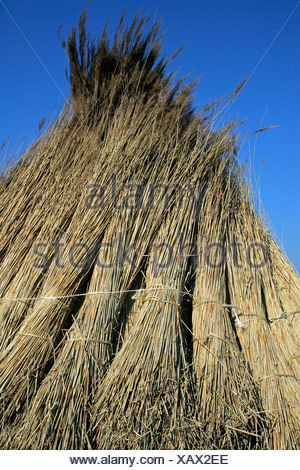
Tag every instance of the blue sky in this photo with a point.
(224, 42)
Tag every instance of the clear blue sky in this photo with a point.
(224, 40)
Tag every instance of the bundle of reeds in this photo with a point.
(134, 311)
(45, 215)
(96, 333)
(87, 226)
(267, 340)
(148, 374)
(228, 403)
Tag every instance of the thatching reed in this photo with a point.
(134, 311)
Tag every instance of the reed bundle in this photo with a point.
(87, 363)
(269, 343)
(149, 371)
(227, 399)
(162, 313)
